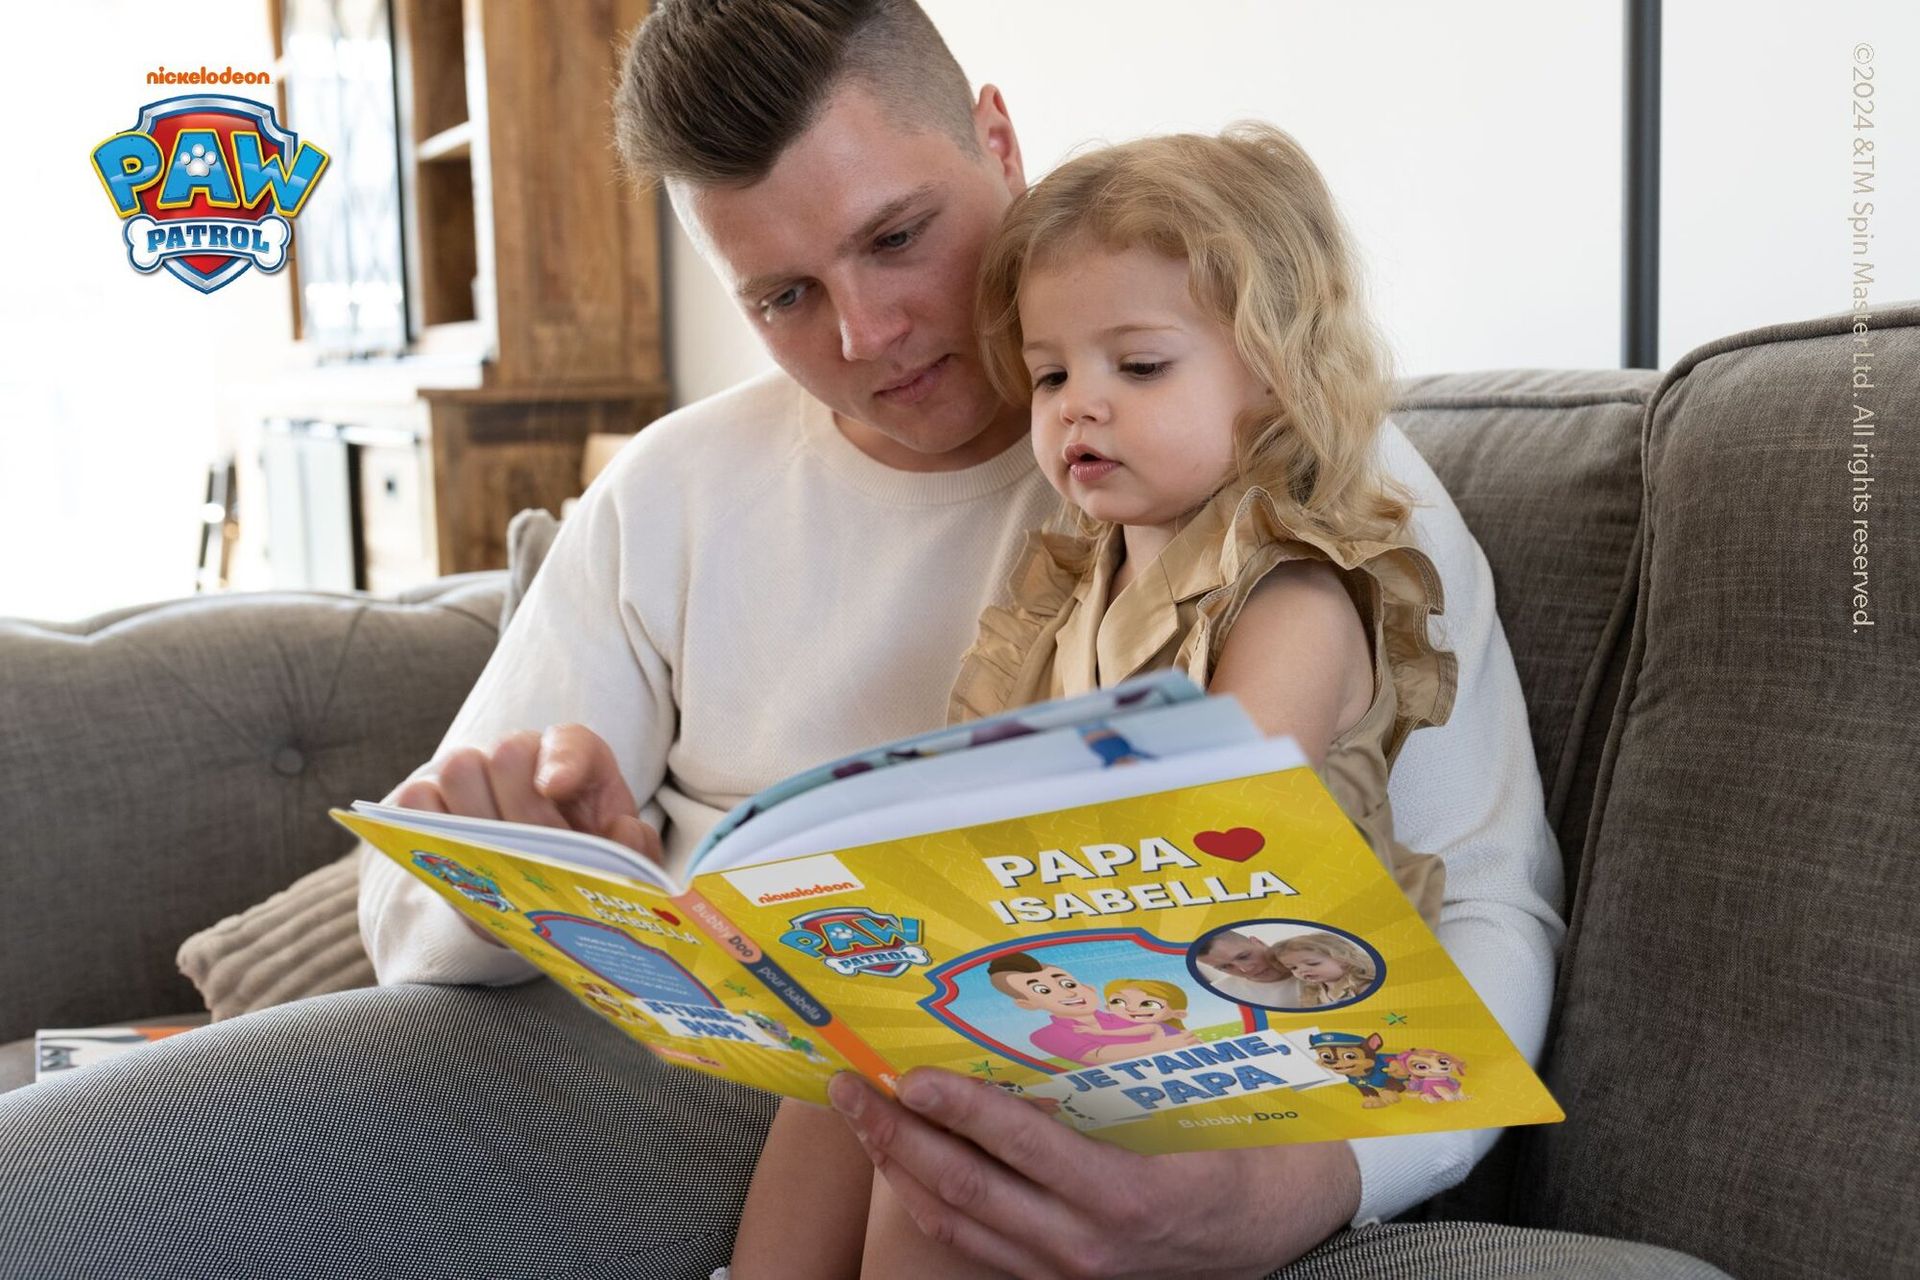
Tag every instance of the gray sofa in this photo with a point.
(1730, 764)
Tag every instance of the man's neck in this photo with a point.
(997, 437)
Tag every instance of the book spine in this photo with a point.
(767, 971)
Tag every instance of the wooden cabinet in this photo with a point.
(532, 274)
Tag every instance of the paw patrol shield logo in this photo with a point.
(856, 940)
(468, 883)
(206, 187)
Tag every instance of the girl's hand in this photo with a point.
(1039, 1201)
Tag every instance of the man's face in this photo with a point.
(855, 260)
(1053, 991)
(1244, 957)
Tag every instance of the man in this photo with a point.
(1077, 1029)
(762, 580)
(1249, 972)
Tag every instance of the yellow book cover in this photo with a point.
(1160, 929)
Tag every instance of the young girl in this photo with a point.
(1151, 1003)
(1183, 315)
(1329, 968)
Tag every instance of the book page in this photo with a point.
(648, 961)
(1222, 964)
(1135, 737)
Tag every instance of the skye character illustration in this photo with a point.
(1432, 1075)
(1361, 1062)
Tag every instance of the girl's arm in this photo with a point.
(1297, 657)
(806, 1211)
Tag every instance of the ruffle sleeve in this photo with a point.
(1394, 580)
(1010, 655)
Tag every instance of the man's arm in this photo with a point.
(1469, 791)
(575, 653)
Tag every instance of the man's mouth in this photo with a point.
(915, 386)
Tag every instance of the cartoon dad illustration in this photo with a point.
(1080, 1030)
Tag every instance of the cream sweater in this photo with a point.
(742, 593)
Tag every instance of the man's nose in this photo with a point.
(870, 323)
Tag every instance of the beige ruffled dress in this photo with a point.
(1055, 638)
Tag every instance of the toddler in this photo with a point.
(1329, 968)
(1183, 316)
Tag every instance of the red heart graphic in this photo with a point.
(668, 916)
(1236, 845)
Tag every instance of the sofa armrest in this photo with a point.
(164, 766)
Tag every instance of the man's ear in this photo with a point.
(994, 129)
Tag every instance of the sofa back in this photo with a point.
(1737, 1006)
(162, 767)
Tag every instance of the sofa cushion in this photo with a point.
(1737, 1014)
(1544, 466)
(303, 941)
(164, 767)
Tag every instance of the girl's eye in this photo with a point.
(1144, 369)
(1152, 1004)
(1050, 381)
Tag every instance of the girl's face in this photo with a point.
(1137, 1006)
(1135, 389)
(1314, 966)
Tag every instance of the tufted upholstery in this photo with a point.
(164, 766)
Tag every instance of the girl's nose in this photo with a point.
(1083, 405)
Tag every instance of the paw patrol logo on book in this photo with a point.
(207, 186)
(856, 940)
(468, 883)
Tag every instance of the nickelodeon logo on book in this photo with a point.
(207, 75)
(778, 882)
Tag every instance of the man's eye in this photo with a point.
(785, 300)
(1068, 984)
(894, 241)
(1144, 369)
(1040, 989)
(1050, 381)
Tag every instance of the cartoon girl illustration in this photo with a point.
(1330, 969)
(1149, 1003)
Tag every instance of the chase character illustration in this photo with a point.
(1146, 1002)
(1430, 1074)
(1360, 1061)
(1079, 1030)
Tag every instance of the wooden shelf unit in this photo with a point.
(527, 259)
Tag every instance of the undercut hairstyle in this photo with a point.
(1270, 258)
(1012, 963)
(711, 92)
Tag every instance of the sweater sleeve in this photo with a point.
(1469, 791)
(576, 651)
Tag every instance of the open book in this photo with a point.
(1129, 908)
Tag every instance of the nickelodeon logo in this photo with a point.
(814, 877)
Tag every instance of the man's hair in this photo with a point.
(1013, 962)
(712, 91)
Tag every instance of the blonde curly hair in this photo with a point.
(1269, 256)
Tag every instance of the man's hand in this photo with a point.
(565, 777)
(980, 1172)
